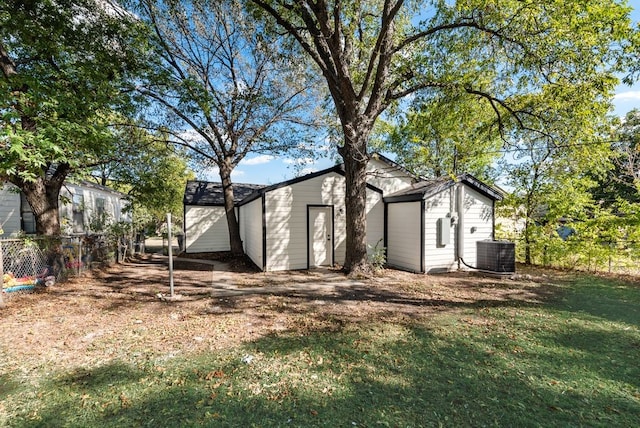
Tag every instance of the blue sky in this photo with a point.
(628, 97)
(264, 169)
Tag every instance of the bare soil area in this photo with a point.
(125, 312)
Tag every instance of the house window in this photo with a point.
(27, 216)
(100, 202)
(78, 213)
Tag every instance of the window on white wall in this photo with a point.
(78, 213)
(100, 204)
(27, 216)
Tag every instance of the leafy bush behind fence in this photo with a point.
(592, 255)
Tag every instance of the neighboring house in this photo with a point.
(426, 226)
(80, 204)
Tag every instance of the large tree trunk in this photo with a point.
(235, 241)
(43, 196)
(354, 154)
(43, 199)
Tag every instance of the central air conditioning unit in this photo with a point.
(496, 256)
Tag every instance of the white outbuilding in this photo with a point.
(425, 225)
(205, 222)
(435, 225)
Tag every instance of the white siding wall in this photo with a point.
(375, 220)
(286, 220)
(438, 257)
(9, 210)
(206, 229)
(251, 230)
(403, 235)
(114, 204)
(478, 214)
(387, 178)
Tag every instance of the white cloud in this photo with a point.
(209, 174)
(190, 136)
(305, 171)
(628, 96)
(213, 174)
(299, 161)
(258, 160)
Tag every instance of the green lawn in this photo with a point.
(571, 361)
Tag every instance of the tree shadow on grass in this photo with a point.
(96, 378)
(141, 281)
(606, 299)
(417, 377)
(355, 355)
(135, 282)
(8, 385)
(364, 303)
(603, 351)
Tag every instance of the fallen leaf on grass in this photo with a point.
(214, 374)
(84, 399)
(124, 401)
(176, 382)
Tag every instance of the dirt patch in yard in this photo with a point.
(124, 311)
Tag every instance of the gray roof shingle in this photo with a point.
(428, 188)
(205, 193)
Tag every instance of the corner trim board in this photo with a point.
(385, 230)
(422, 234)
(184, 226)
(264, 233)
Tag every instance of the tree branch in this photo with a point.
(462, 23)
(295, 32)
(384, 53)
(387, 21)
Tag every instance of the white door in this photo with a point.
(320, 236)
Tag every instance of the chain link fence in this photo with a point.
(30, 262)
(24, 264)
